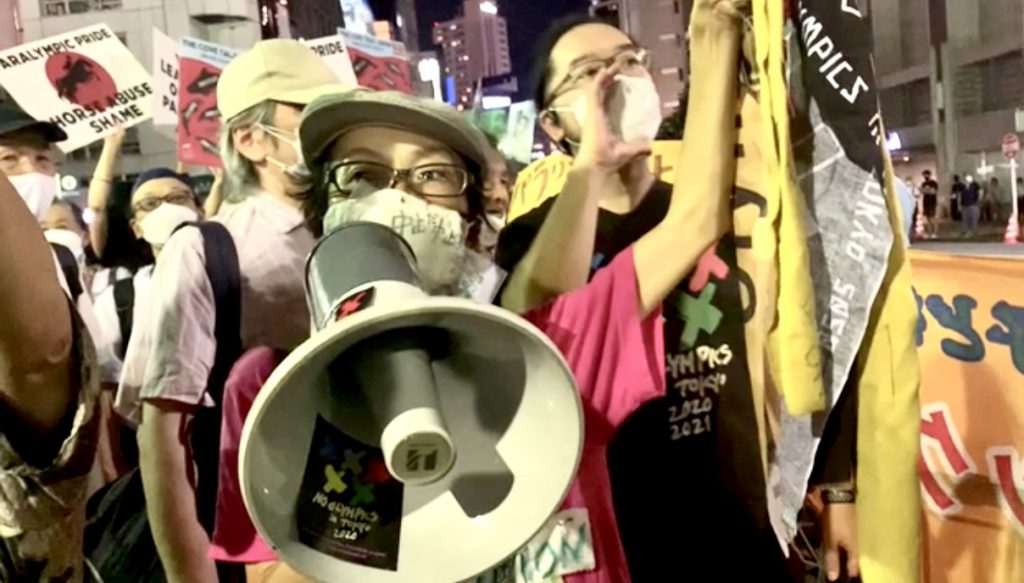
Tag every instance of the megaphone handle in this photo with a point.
(394, 372)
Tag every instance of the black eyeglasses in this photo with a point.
(427, 180)
(150, 204)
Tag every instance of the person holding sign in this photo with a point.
(48, 382)
(693, 456)
(169, 373)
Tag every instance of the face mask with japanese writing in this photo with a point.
(437, 235)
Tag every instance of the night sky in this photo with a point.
(527, 20)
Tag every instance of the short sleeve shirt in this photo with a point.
(691, 453)
(172, 348)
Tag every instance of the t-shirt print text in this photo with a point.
(696, 371)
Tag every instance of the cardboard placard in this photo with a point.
(165, 79)
(378, 64)
(199, 121)
(85, 81)
(333, 51)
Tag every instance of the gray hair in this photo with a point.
(240, 176)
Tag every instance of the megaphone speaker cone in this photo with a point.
(416, 441)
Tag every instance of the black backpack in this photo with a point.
(124, 303)
(69, 265)
(118, 543)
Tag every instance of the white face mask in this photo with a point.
(37, 190)
(634, 109)
(437, 235)
(159, 224)
(489, 231)
(298, 172)
(68, 239)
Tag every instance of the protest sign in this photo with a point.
(332, 50)
(970, 337)
(198, 117)
(378, 64)
(165, 79)
(85, 81)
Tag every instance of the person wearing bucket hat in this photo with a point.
(398, 160)
(170, 358)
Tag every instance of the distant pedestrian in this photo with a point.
(970, 199)
(955, 193)
(992, 202)
(930, 204)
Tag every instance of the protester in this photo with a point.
(169, 373)
(365, 140)
(100, 186)
(29, 160)
(373, 140)
(930, 199)
(161, 201)
(64, 224)
(48, 384)
(556, 247)
(970, 199)
(496, 196)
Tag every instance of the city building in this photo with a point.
(408, 29)
(425, 69)
(358, 16)
(475, 46)
(313, 18)
(660, 27)
(228, 22)
(951, 78)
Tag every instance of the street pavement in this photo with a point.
(977, 249)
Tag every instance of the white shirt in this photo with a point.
(172, 348)
(110, 324)
(106, 277)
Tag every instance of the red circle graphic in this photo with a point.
(81, 81)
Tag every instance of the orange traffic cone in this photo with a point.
(1012, 232)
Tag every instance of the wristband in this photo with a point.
(838, 496)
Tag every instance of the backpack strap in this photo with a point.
(69, 265)
(124, 303)
(225, 278)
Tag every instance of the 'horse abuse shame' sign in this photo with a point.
(85, 81)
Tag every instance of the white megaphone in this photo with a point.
(411, 439)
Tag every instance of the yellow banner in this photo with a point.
(545, 177)
(971, 343)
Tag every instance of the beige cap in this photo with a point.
(274, 70)
(333, 114)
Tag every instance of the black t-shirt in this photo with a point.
(930, 188)
(686, 476)
(971, 195)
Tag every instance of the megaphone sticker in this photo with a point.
(349, 506)
(355, 302)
